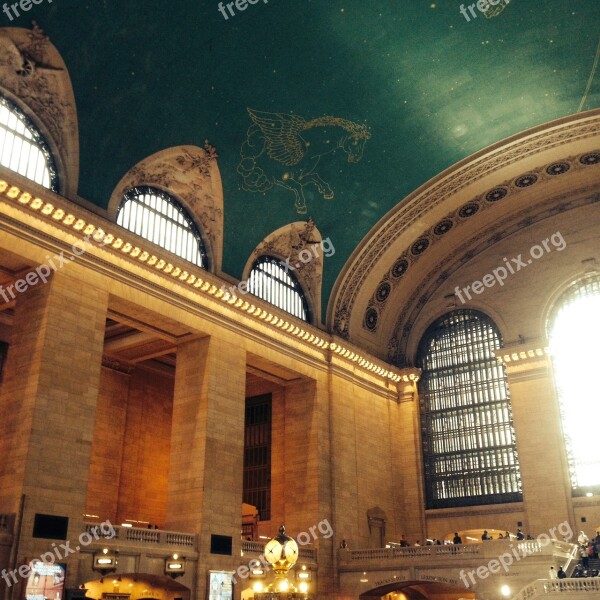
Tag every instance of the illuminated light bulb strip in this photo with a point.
(523, 355)
(59, 215)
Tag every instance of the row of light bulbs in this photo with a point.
(107, 239)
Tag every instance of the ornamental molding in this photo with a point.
(409, 213)
(524, 362)
(34, 76)
(299, 246)
(398, 351)
(460, 217)
(493, 509)
(122, 253)
(191, 175)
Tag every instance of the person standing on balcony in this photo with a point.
(552, 573)
(457, 539)
(561, 574)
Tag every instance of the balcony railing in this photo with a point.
(542, 587)
(484, 550)
(156, 537)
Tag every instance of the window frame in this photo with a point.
(131, 195)
(476, 421)
(38, 140)
(294, 288)
(564, 298)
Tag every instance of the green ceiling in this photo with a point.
(431, 87)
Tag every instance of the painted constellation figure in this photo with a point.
(493, 10)
(285, 150)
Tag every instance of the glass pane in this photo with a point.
(469, 448)
(22, 147)
(157, 217)
(574, 329)
(270, 281)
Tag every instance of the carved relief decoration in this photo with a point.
(34, 77)
(298, 245)
(413, 210)
(472, 208)
(191, 175)
(398, 343)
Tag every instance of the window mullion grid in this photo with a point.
(475, 447)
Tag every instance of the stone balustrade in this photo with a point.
(157, 537)
(584, 588)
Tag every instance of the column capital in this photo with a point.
(407, 384)
(527, 360)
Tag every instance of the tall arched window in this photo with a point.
(23, 148)
(469, 450)
(159, 218)
(574, 331)
(271, 280)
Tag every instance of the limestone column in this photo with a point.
(542, 456)
(48, 406)
(207, 450)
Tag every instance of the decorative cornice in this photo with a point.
(59, 213)
(525, 362)
(511, 355)
(458, 218)
(407, 214)
(407, 388)
(444, 513)
(464, 252)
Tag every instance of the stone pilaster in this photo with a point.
(48, 406)
(207, 450)
(540, 443)
(408, 458)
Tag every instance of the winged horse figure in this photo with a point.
(285, 150)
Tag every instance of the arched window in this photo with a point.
(469, 450)
(271, 280)
(159, 218)
(23, 148)
(574, 331)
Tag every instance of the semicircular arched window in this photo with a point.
(574, 330)
(271, 280)
(159, 218)
(23, 149)
(469, 449)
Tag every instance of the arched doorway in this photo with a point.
(418, 590)
(135, 586)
